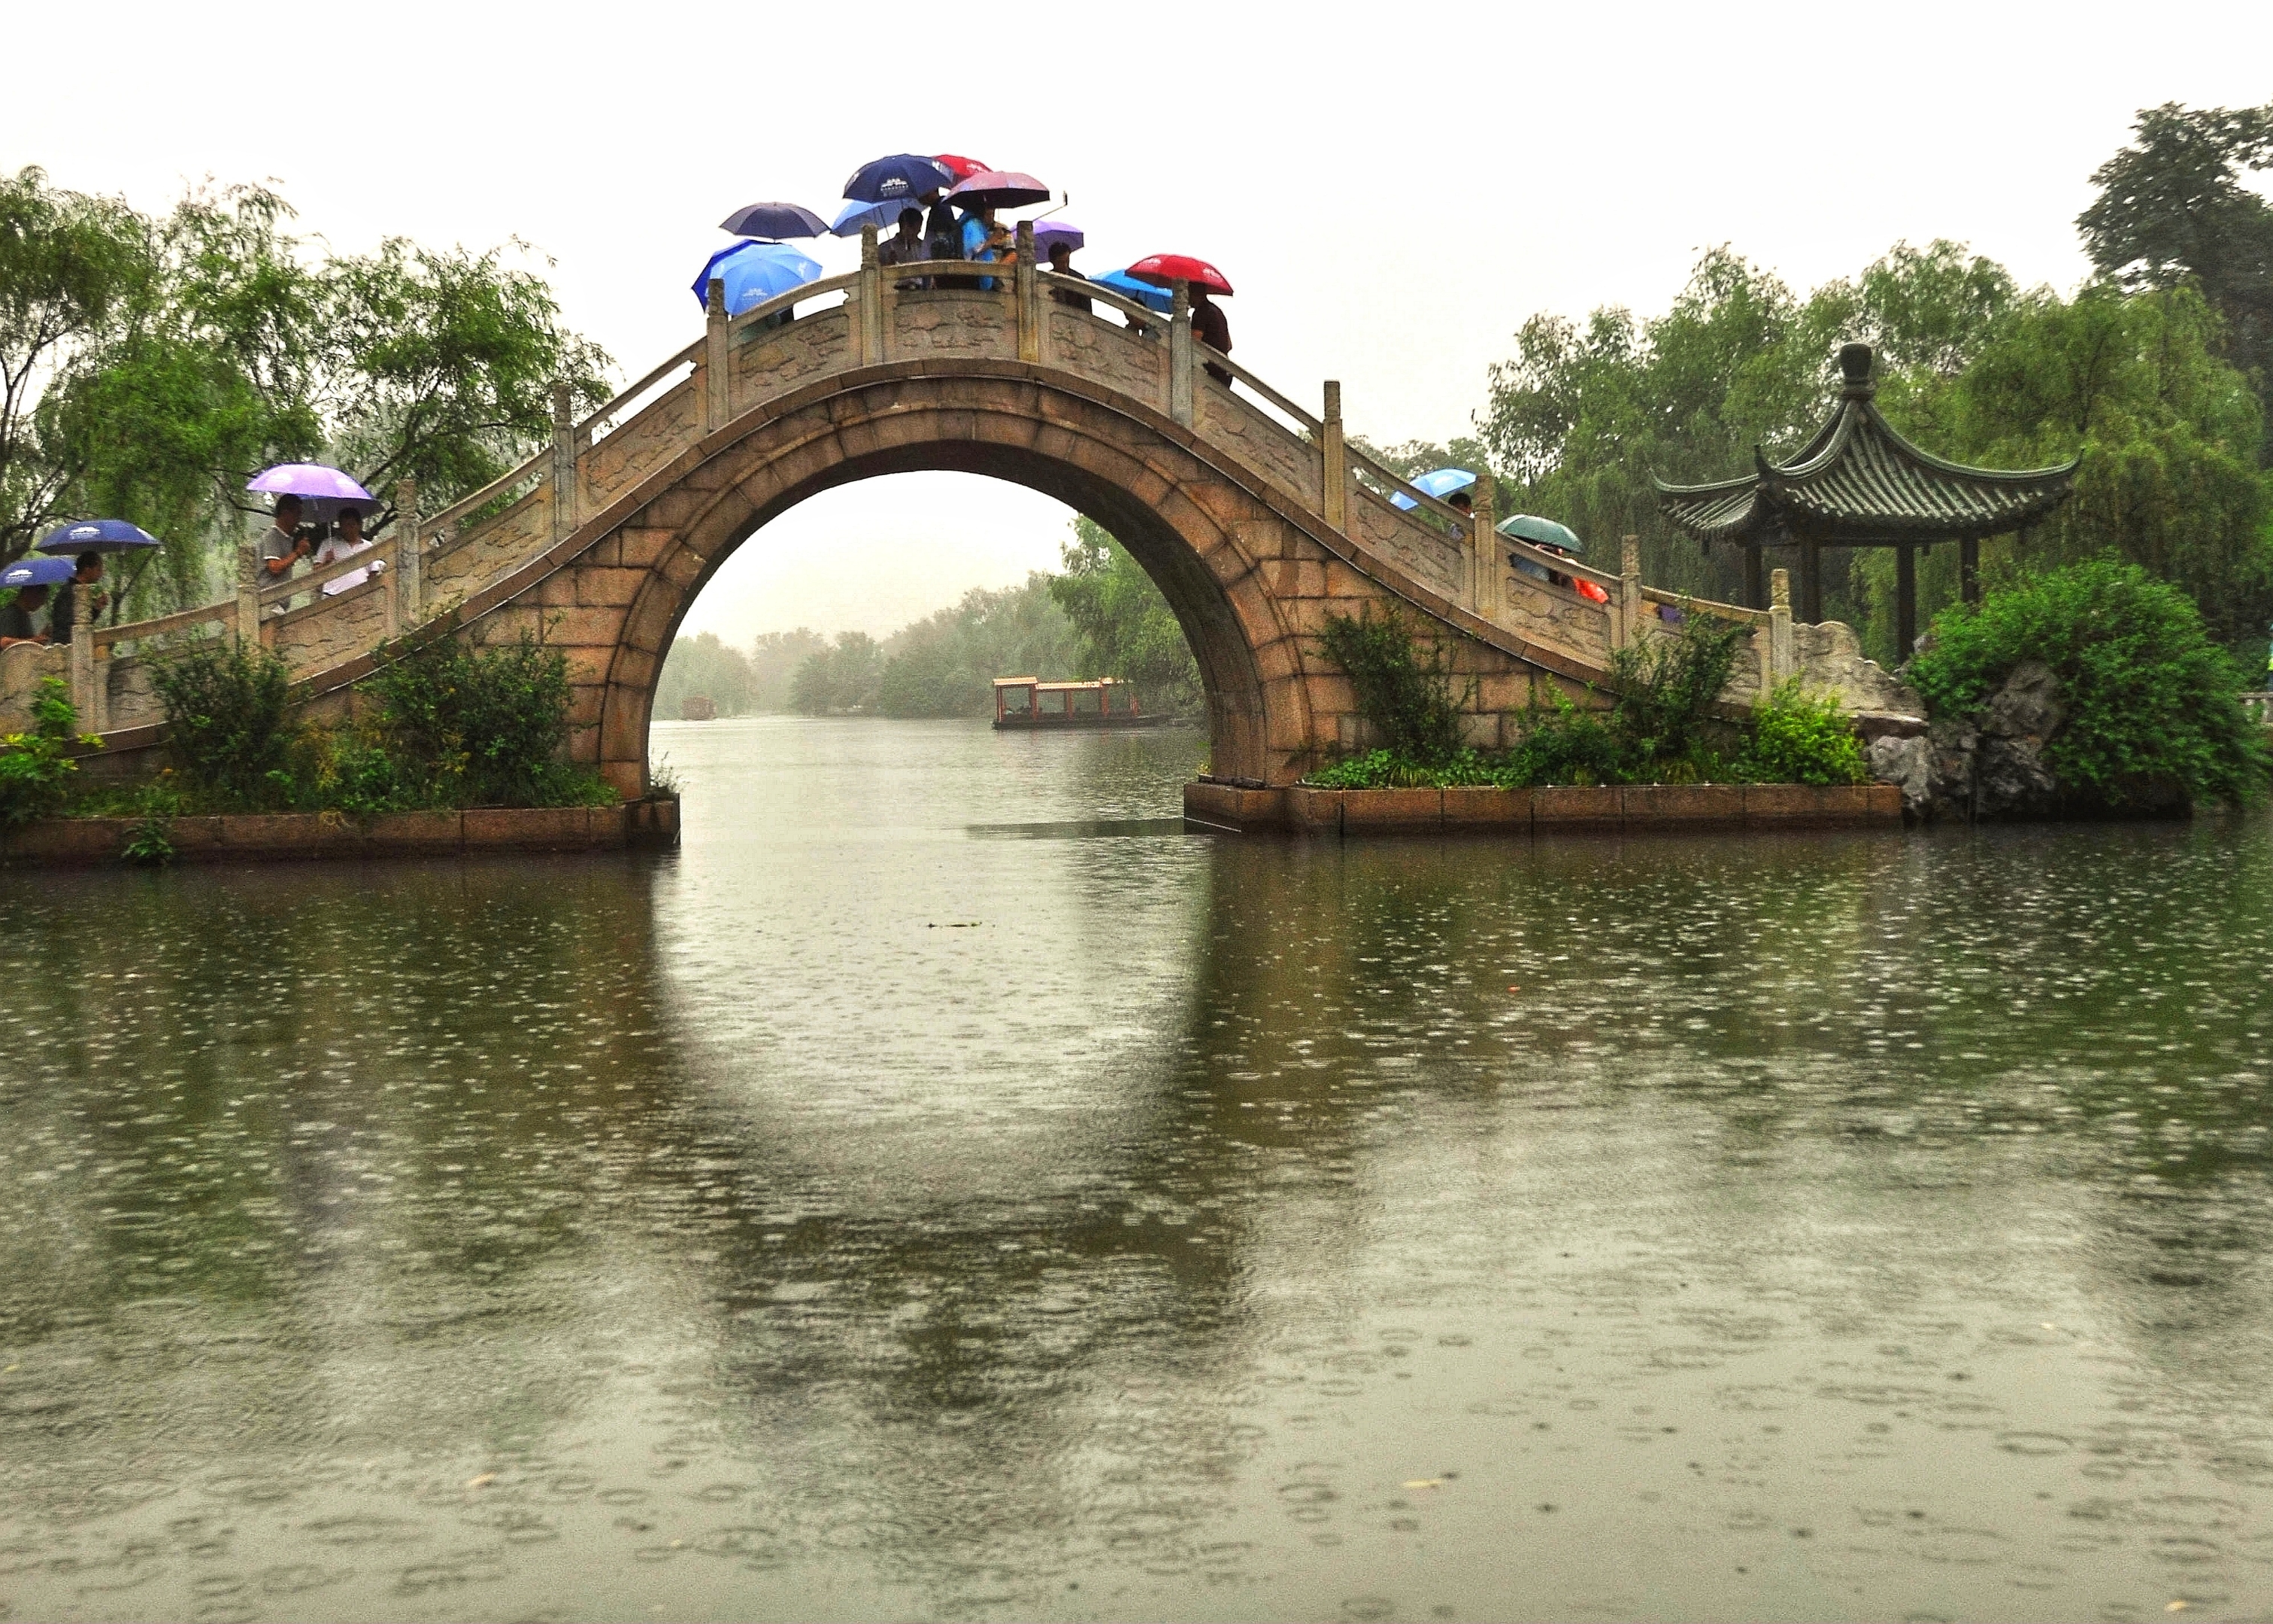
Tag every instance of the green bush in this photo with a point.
(2150, 700)
(1799, 738)
(36, 767)
(459, 727)
(1666, 691)
(226, 708)
(1408, 699)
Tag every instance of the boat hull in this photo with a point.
(1076, 724)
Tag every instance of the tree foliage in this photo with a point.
(2172, 210)
(150, 365)
(945, 664)
(844, 678)
(1122, 626)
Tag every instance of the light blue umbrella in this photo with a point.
(1438, 483)
(754, 272)
(1128, 287)
(884, 216)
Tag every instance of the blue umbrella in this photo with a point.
(37, 572)
(98, 535)
(884, 216)
(1438, 483)
(902, 177)
(754, 272)
(774, 220)
(1128, 287)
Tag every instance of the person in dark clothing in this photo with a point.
(63, 611)
(16, 618)
(907, 248)
(944, 239)
(1061, 262)
(1209, 327)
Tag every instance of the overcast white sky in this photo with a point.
(1392, 189)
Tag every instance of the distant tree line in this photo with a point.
(2159, 370)
(1101, 615)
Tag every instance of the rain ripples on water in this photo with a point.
(947, 1189)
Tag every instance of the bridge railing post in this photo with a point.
(408, 574)
(1779, 662)
(1180, 356)
(1028, 281)
(715, 375)
(868, 316)
(1627, 622)
(86, 688)
(1333, 461)
(248, 596)
(1484, 543)
(564, 462)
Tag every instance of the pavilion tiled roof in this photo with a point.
(1858, 483)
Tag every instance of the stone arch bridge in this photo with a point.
(1252, 513)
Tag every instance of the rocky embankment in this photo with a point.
(1993, 770)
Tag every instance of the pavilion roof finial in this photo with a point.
(1854, 367)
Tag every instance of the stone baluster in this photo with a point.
(408, 560)
(715, 375)
(1781, 663)
(564, 463)
(1484, 541)
(869, 301)
(1631, 605)
(1180, 356)
(86, 692)
(1334, 462)
(248, 577)
(1028, 281)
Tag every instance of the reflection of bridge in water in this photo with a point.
(1254, 516)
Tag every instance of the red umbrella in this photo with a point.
(1167, 270)
(964, 168)
(1005, 189)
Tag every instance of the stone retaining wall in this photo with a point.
(1626, 808)
(258, 837)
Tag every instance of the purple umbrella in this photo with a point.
(1049, 231)
(309, 479)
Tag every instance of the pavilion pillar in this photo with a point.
(1969, 569)
(1756, 592)
(1811, 580)
(1905, 600)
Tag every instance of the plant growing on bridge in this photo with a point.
(461, 727)
(1406, 696)
(2149, 698)
(1667, 688)
(1801, 738)
(36, 766)
(225, 706)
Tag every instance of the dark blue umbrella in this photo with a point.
(754, 272)
(1128, 287)
(98, 535)
(774, 220)
(37, 572)
(902, 176)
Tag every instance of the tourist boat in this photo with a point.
(1029, 702)
(698, 708)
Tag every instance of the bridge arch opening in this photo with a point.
(1193, 534)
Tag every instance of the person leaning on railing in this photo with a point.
(906, 248)
(349, 541)
(16, 618)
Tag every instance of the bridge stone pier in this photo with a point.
(1253, 515)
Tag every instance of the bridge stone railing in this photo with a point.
(867, 318)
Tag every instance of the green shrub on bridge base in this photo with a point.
(449, 726)
(36, 766)
(1660, 728)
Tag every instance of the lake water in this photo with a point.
(949, 1188)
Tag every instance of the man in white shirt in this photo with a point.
(348, 539)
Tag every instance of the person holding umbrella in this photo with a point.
(285, 541)
(1203, 280)
(906, 248)
(16, 618)
(62, 609)
(349, 540)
